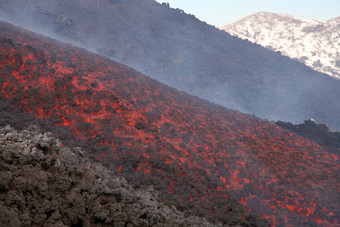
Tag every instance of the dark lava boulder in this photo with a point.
(43, 183)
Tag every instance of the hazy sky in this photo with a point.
(218, 12)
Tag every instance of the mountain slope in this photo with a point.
(179, 50)
(203, 158)
(314, 43)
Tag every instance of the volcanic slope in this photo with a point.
(183, 52)
(203, 158)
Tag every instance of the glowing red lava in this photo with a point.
(204, 154)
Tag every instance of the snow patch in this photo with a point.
(313, 42)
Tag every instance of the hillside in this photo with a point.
(203, 158)
(185, 53)
(314, 43)
(45, 184)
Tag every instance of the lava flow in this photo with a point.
(204, 158)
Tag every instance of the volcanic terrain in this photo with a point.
(203, 158)
(183, 52)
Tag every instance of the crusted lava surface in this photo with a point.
(45, 184)
(203, 158)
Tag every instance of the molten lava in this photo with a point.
(196, 153)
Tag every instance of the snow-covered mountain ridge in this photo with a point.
(313, 42)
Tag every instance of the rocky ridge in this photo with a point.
(320, 133)
(43, 183)
(313, 42)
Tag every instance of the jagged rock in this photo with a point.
(320, 133)
(45, 184)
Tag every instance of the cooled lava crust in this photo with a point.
(202, 157)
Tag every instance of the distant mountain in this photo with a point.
(185, 53)
(45, 184)
(204, 159)
(312, 42)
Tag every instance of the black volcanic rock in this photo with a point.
(45, 184)
(320, 133)
(178, 49)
